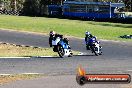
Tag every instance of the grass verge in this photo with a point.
(11, 78)
(7, 50)
(103, 30)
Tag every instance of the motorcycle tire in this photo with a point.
(61, 51)
(93, 50)
(100, 53)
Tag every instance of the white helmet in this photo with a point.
(87, 33)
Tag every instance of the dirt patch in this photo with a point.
(11, 78)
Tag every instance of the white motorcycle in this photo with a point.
(61, 47)
(97, 48)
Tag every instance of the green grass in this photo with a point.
(103, 30)
(7, 50)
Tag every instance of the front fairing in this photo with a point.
(63, 44)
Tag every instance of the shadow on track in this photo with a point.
(60, 57)
(84, 55)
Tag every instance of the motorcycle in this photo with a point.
(61, 47)
(94, 46)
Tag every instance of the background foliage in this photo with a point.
(36, 7)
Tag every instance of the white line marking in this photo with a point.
(42, 56)
(80, 53)
(21, 74)
(14, 57)
(28, 57)
(30, 73)
(4, 74)
(129, 70)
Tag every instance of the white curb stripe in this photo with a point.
(27, 57)
(30, 73)
(80, 53)
(4, 74)
(21, 74)
(14, 57)
(42, 56)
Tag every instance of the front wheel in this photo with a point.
(61, 51)
(94, 50)
(100, 48)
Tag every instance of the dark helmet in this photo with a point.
(52, 33)
(87, 33)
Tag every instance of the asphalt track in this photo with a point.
(116, 58)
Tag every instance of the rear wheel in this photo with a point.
(100, 53)
(96, 51)
(61, 51)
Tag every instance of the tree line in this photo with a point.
(26, 7)
(37, 7)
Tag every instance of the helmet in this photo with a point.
(52, 33)
(87, 33)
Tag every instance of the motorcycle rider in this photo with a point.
(88, 37)
(92, 40)
(53, 35)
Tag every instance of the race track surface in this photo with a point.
(116, 58)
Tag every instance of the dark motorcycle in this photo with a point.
(94, 46)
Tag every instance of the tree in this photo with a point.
(128, 5)
(31, 7)
(12, 6)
